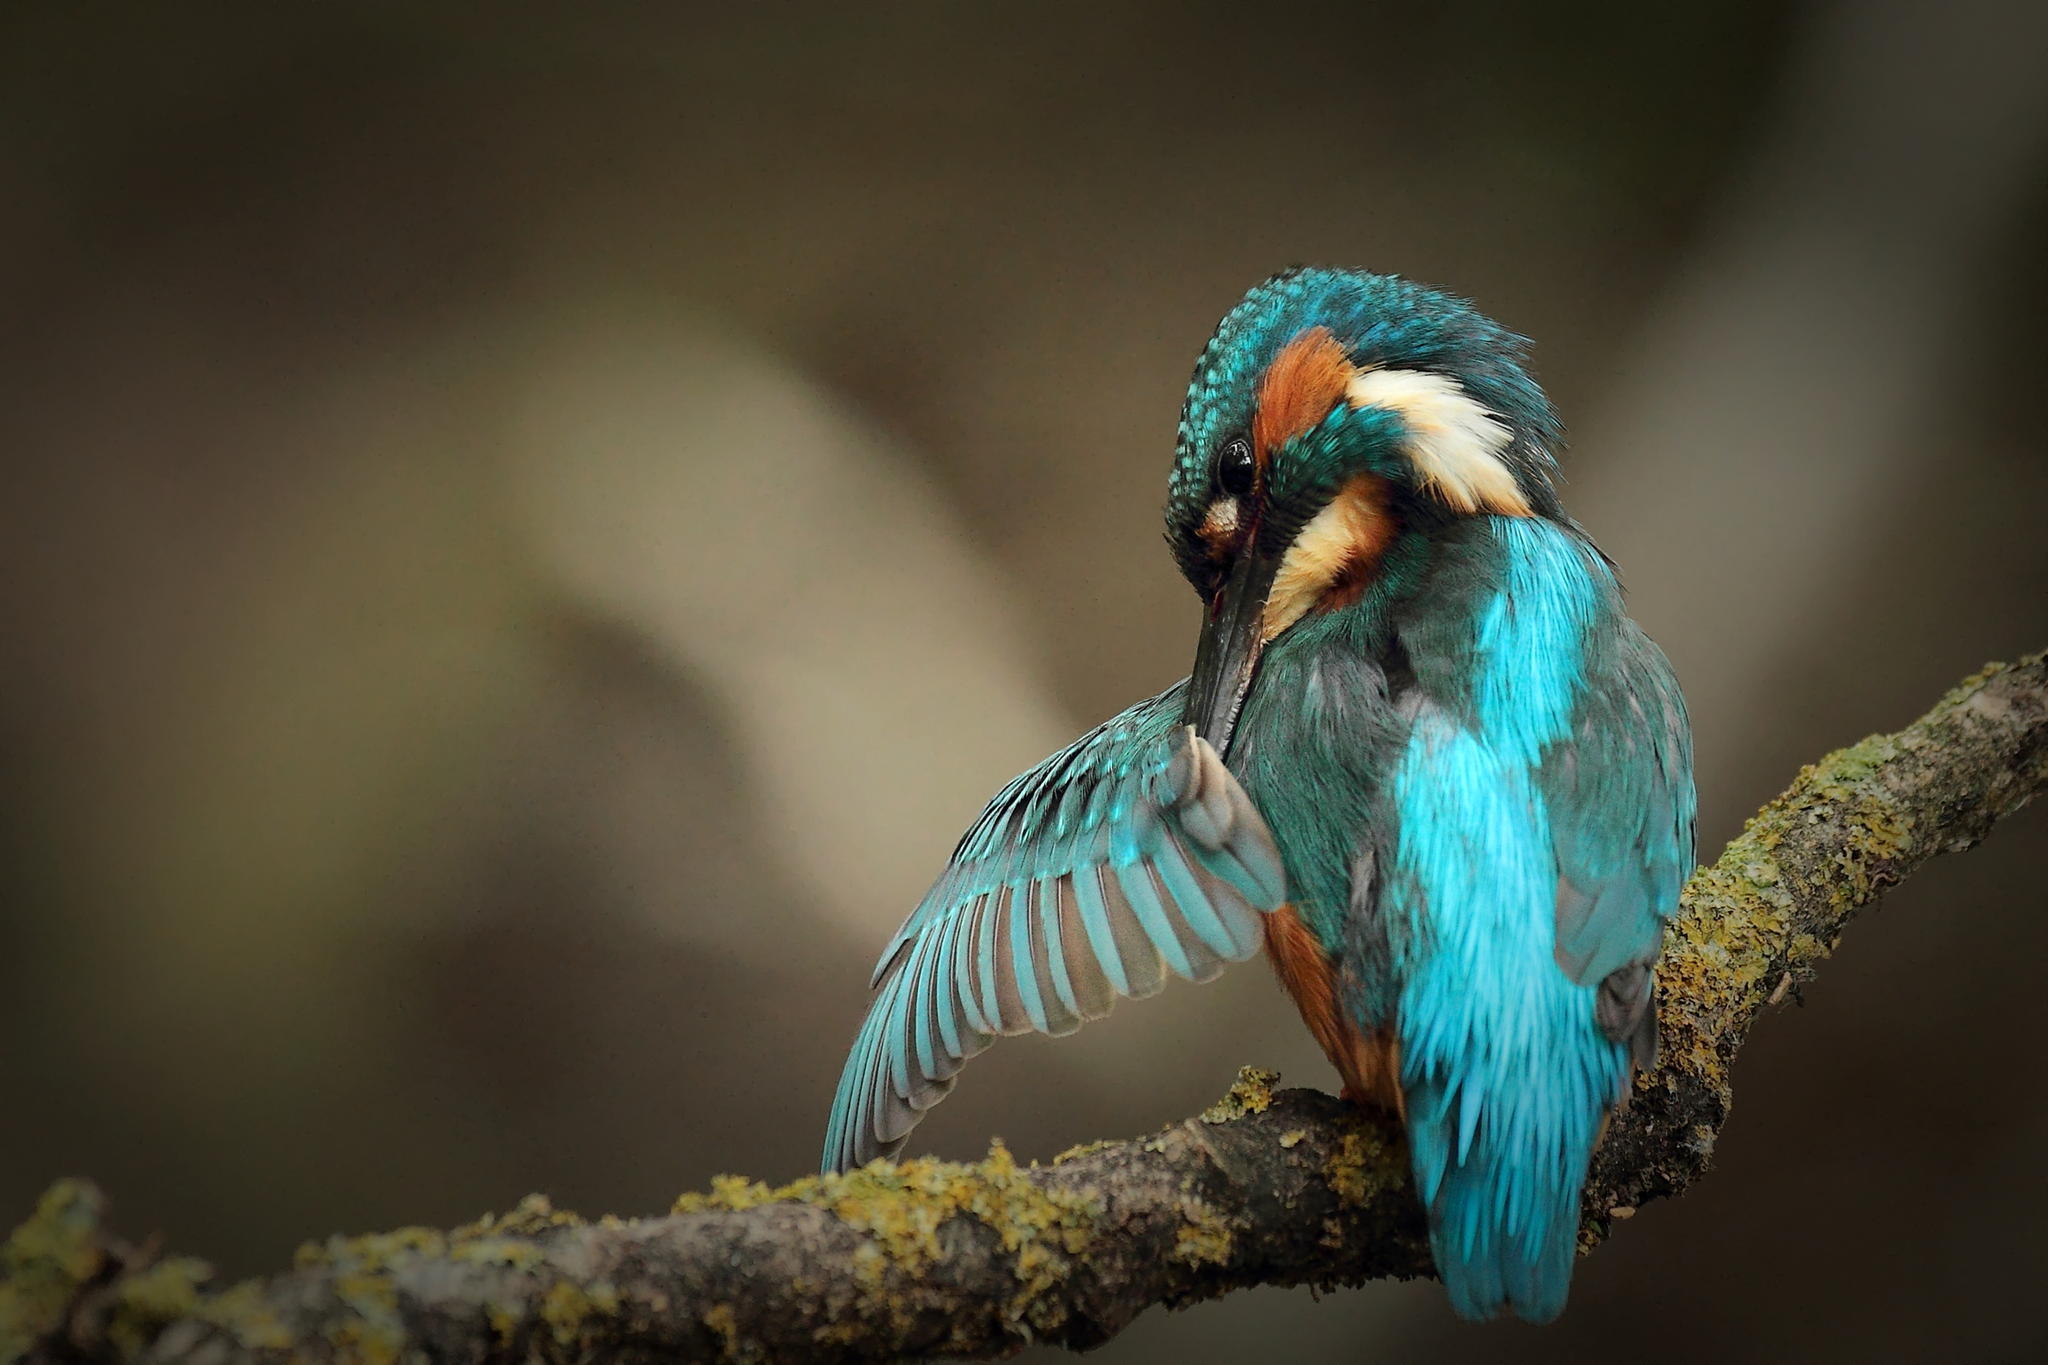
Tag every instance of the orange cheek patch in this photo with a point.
(1300, 387)
(1333, 559)
(1369, 522)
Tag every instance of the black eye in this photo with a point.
(1236, 470)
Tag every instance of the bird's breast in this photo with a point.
(1368, 1062)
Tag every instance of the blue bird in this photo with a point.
(1424, 758)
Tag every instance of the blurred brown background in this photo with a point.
(528, 534)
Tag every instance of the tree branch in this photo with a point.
(930, 1258)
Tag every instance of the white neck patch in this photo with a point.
(1455, 445)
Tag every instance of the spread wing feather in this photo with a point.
(1129, 854)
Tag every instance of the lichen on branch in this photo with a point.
(927, 1258)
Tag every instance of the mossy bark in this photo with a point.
(928, 1258)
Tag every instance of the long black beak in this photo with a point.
(1231, 643)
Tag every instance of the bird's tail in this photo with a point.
(1500, 1169)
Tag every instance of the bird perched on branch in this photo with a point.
(1424, 758)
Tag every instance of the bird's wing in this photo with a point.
(1621, 804)
(1129, 853)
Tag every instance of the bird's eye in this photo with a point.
(1236, 470)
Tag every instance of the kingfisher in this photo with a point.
(1424, 759)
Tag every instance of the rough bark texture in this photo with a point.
(930, 1258)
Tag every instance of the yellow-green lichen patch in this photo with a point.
(374, 1334)
(870, 1266)
(173, 1290)
(566, 1307)
(530, 1217)
(1363, 1166)
(148, 1300)
(1292, 1137)
(243, 1312)
(847, 1333)
(1075, 1153)
(736, 1193)
(45, 1261)
(369, 1295)
(720, 1318)
(1840, 791)
(505, 1251)
(376, 1251)
(1250, 1093)
(1734, 940)
(1716, 955)
(504, 1322)
(901, 1208)
(1204, 1238)
(365, 1283)
(363, 1343)
(902, 1205)
(1974, 684)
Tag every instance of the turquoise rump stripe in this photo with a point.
(1506, 1071)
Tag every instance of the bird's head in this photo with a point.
(1332, 412)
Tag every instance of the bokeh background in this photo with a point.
(527, 534)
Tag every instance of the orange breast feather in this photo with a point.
(1370, 1065)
